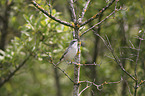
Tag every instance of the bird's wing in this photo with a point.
(64, 54)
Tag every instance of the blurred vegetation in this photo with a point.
(32, 37)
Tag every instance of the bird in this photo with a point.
(71, 51)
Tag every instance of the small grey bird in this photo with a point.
(71, 51)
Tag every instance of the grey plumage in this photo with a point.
(71, 51)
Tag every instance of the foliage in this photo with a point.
(41, 37)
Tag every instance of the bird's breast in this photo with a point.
(71, 53)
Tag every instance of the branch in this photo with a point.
(50, 16)
(138, 55)
(98, 86)
(92, 84)
(116, 59)
(85, 89)
(141, 82)
(55, 65)
(100, 21)
(86, 64)
(49, 7)
(73, 11)
(97, 15)
(137, 58)
(3, 81)
(128, 88)
(84, 11)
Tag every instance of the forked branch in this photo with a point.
(100, 21)
(84, 11)
(116, 59)
(55, 65)
(97, 15)
(98, 86)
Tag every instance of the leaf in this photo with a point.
(2, 54)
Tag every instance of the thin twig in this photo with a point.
(100, 22)
(55, 65)
(97, 15)
(116, 59)
(92, 84)
(89, 64)
(6, 79)
(98, 86)
(50, 10)
(73, 11)
(116, 6)
(128, 87)
(85, 64)
(135, 70)
(84, 11)
(141, 82)
(50, 15)
(85, 89)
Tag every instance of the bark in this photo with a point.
(124, 55)
(5, 21)
(77, 68)
(76, 80)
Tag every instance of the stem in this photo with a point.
(14, 71)
(73, 11)
(50, 16)
(116, 59)
(97, 15)
(135, 71)
(76, 80)
(84, 11)
(100, 22)
(77, 67)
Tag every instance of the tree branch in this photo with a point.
(135, 70)
(3, 81)
(116, 59)
(74, 18)
(98, 86)
(50, 16)
(84, 11)
(100, 22)
(141, 82)
(55, 65)
(86, 64)
(97, 15)
(85, 89)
